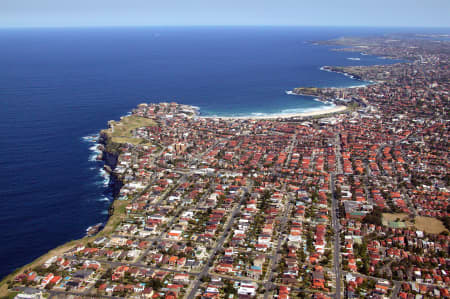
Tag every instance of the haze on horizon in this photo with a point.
(77, 13)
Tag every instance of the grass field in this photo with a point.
(131, 140)
(121, 131)
(426, 224)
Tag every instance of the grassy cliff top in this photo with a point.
(122, 131)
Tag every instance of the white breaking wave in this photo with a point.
(105, 175)
(93, 157)
(90, 138)
(357, 86)
(326, 106)
(94, 148)
(104, 199)
(345, 74)
(102, 177)
(95, 152)
(305, 110)
(259, 114)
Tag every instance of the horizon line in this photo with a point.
(217, 25)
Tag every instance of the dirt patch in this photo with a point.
(393, 217)
(426, 224)
(429, 225)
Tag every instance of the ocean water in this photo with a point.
(58, 86)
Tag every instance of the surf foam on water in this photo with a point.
(259, 114)
(106, 199)
(326, 105)
(94, 151)
(106, 177)
(90, 138)
(103, 177)
(357, 86)
(363, 84)
(306, 110)
(93, 157)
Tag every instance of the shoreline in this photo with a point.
(109, 222)
(333, 109)
(366, 83)
(115, 210)
(115, 213)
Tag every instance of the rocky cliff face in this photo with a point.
(110, 155)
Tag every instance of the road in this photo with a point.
(218, 246)
(268, 285)
(335, 219)
(397, 286)
(337, 239)
(54, 293)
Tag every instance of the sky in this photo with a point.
(75, 13)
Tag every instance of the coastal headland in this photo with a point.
(285, 205)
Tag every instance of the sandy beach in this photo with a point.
(333, 109)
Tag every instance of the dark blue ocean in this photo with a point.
(60, 85)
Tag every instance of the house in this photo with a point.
(30, 293)
(47, 280)
(56, 280)
(173, 261)
(181, 278)
(174, 235)
(247, 289)
(255, 272)
(181, 262)
(225, 268)
(83, 274)
(318, 278)
(31, 276)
